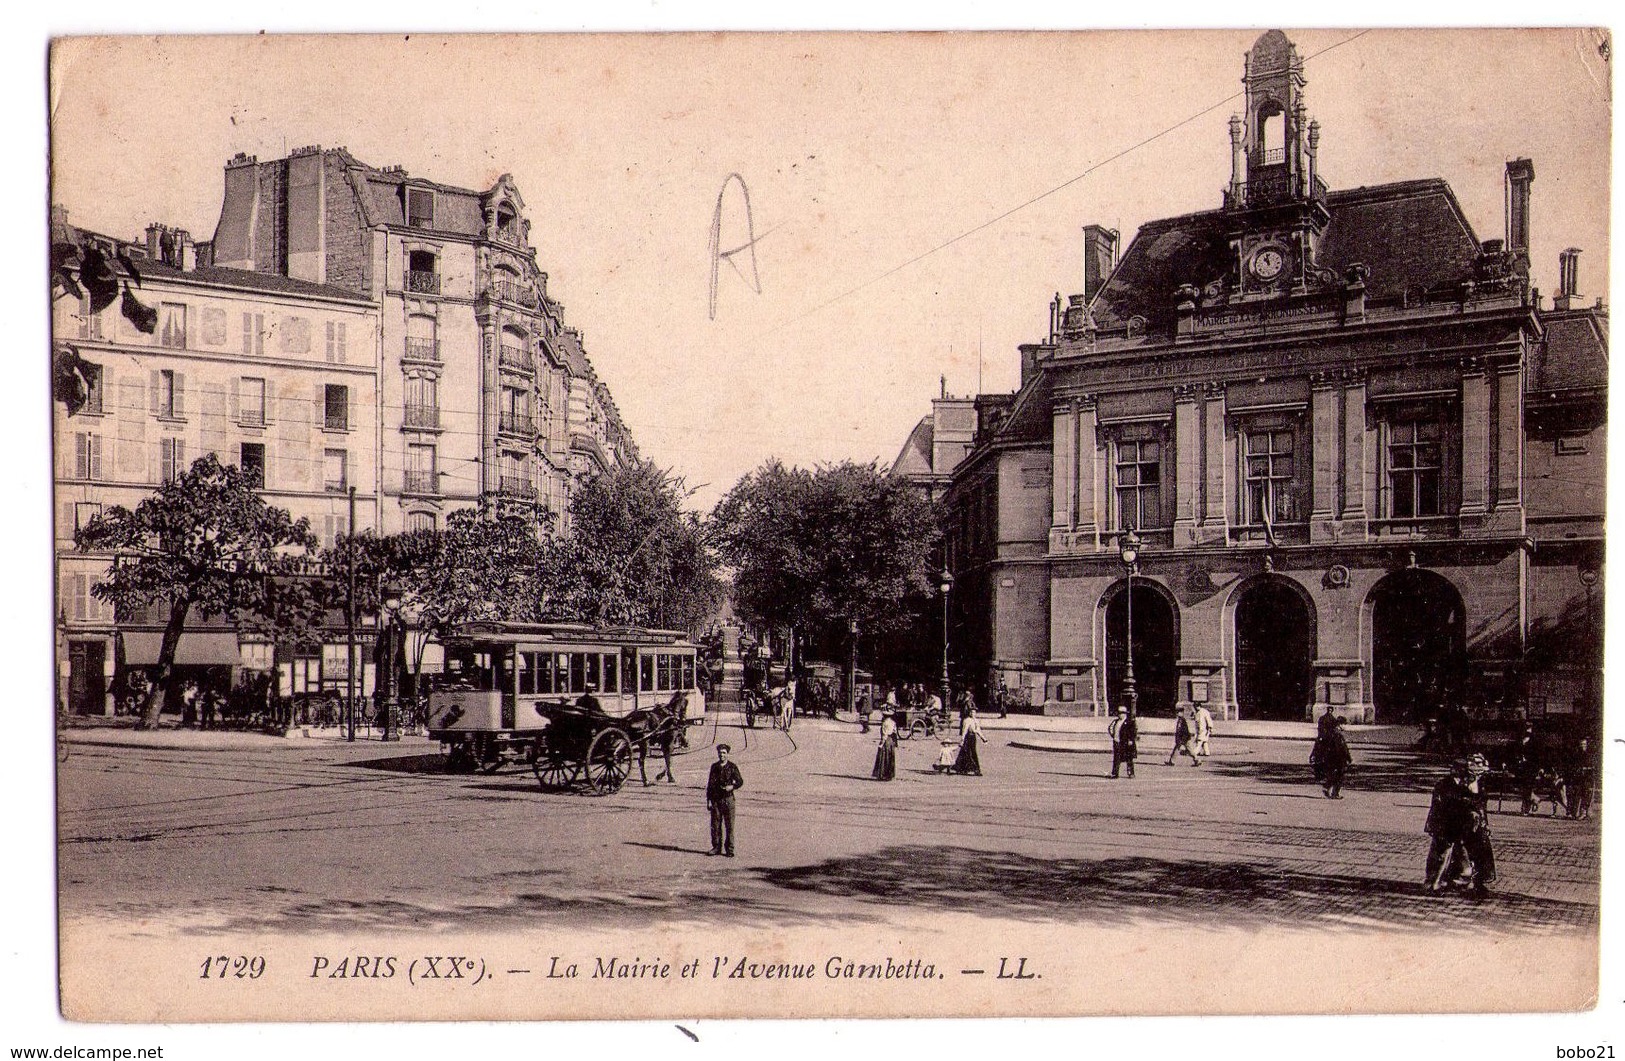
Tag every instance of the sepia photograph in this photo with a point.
(697, 526)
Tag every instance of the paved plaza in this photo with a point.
(243, 833)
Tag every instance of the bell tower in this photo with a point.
(1276, 197)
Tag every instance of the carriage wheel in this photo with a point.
(609, 761)
(552, 771)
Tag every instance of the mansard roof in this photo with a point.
(1572, 354)
(1412, 235)
(915, 458)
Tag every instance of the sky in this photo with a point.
(917, 198)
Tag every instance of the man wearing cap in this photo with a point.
(1458, 822)
(719, 798)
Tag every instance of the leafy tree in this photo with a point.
(205, 541)
(819, 551)
(633, 555)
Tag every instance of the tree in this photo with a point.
(824, 551)
(206, 541)
(634, 556)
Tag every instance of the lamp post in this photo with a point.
(391, 697)
(852, 670)
(946, 584)
(1130, 553)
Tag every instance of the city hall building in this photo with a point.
(1359, 461)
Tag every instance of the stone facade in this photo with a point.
(1362, 462)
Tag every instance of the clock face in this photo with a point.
(1268, 263)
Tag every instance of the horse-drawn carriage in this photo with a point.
(574, 703)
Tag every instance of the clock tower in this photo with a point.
(1276, 197)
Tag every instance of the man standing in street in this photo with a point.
(1125, 737)
(1184, 739)
(719, 797)
(1202, 724)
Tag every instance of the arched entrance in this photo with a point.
(1418, 646)
(1156, 647)
(1275, 649)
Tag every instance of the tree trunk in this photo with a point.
(166, 664)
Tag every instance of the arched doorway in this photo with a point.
(1418, 646)
(1275, 649)
(1156, 647)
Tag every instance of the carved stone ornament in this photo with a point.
(1337, 576)
(1136, 326)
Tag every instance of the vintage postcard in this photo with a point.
(829, 525)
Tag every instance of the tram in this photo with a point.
(505, 684)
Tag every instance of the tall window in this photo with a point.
(87, 455)
(84, 512)
(252, 461)
(335, 470)
(336, 342)
(172, 325)
(337, 407)
(93, 389)
(420, 469)
(1139, 483)
(90, 324)
(1269, 475)
(421, 273)
(422, 401)
(1415, 467)
(171, 458)
(420, 207)
(251, 400)
(420, 521)
(254, 333)
(168, 391)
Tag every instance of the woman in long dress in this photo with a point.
(886, 754)
(970, 734)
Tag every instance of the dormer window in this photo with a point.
(507, 225)
(420, 207)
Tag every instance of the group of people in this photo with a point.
(956, 757)
(1193, 733)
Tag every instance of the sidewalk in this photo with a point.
(1057, 733)
(118, 734)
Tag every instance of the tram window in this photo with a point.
(612, 673)
(527, 672)
(646, 673)
(578, 672)
(688, 672)
(561, 675)
(544, 672)
(502, 673)
(663, 673)
(594, 678)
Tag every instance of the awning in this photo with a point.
(197, 648)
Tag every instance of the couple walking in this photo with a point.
(1193, 728)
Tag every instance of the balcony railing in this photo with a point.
(517, 486)
(517, 423)
(423, 282)
(418, 481)
(422, 416)
(423, 350)
(516, 357)
(511, 291)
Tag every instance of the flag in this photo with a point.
(143, 317)
(129, 267)
(98, 278)
(1269, 512)
(71, 378)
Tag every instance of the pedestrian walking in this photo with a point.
(720, 787)
(1202, 724)
(886, 754)
(970, 734)
(1529, 762)
(1330, 757)
(1458, 822)
(1125, 736)
(1579, 777)
(863, 710)
(1183, 739)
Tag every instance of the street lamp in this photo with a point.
(1130, 553)
(391, 698)
(946, 584)
(852, 670)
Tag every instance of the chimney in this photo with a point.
(1520, 175)
(1099, 258)
(155, 233)
(1568, 280)
(185, 251)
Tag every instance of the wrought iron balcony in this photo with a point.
(517, 486)
(422, 416)
(512, 291)
(515, 357)
(517, 424)
(423, 282)
(418, 481)
(423, 350)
